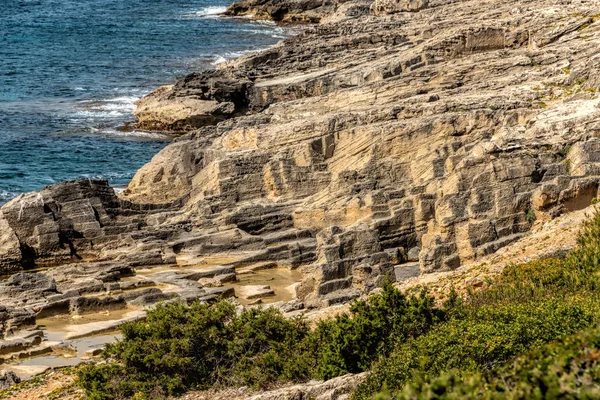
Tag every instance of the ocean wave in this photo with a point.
(130, 134)
(230, 55)
(275, 32)
(6, 196)
(107, 108)
(219, 60)
(210, 12)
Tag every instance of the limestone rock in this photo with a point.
(362, 142)
(251, 292)
(394, 6)
(307, 11)
(158, 111)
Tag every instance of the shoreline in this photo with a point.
(86, 117)
(336, 159)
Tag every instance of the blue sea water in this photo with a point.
(70, 71)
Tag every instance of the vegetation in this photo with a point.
(531, 334)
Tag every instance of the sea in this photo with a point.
(71, 70)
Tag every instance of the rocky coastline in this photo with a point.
(387, 139)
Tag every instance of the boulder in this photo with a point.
(8, 379)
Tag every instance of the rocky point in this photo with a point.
(387, 138)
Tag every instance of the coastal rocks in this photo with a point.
(13, 318)
(380, 139)
(10, 249)
(168, 177)
(252, 292)
(159, 111)
(304, 11)
(349, 262)
(353, 150)
(47, 223)
(70, 221)
(339, 388)
(26, 288)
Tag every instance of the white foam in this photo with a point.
(131, 134)
(108, 108)
(230, 55)
(219, 60)
(211, 11)
(5, 196)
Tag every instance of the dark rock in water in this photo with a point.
(8, 379)
(304, 11)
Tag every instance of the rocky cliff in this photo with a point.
(391, 138)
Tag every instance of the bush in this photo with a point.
(481, 340)
(180, 347)
(350, 343)
(566, 369)
(527, 306)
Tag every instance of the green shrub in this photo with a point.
(527, 306)
(180, 347)
(481, 340)
(351, 342)
(566, 369)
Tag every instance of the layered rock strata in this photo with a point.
(389, 134)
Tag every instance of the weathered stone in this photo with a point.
(406, 271)
(394, 6)
(282, 10)
(251, 292)
(444, 132)
(159, 111)
(8, 379)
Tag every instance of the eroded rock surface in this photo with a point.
(8, 379)
(433, 132)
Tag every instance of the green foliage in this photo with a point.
(480, 340)
(180, 347)
(567, 369)
(530, 216)
(350, 343)
(527, 306)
